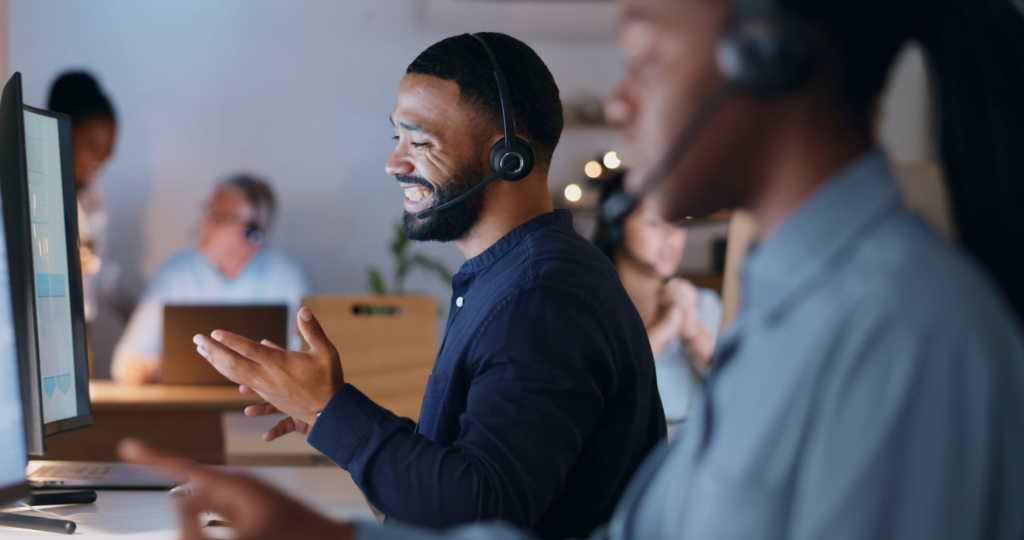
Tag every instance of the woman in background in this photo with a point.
(93, 132)
(682, 320)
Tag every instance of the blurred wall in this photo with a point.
(300, 91)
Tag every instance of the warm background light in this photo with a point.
(573, 192)
(611, 160)
(592, 169)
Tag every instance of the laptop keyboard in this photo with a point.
(74, 471)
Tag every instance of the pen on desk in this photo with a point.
(19, 521)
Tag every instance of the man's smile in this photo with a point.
(417, 197)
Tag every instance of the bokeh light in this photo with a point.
(593, 169)
(611, 160)
(573, 193)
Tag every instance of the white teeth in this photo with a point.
(416, 194)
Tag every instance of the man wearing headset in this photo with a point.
(542, 401)
(231, 264)
(872, 385)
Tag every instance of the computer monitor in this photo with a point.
(13, 485)
(14, 198)
(41, 219)
(60, 314)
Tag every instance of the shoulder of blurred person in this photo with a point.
(283, 268)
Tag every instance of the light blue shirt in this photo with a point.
(871, 387)
(270, 277)
(679, 371)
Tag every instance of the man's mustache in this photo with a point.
(410, 179)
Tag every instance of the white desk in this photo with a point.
(328, 490)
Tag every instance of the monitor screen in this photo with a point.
(17, 242)
(62, 366)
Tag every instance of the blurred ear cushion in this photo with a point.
(767, 56)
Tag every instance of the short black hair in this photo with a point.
(534, 94)
(78, 95)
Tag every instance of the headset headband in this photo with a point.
(507, 116)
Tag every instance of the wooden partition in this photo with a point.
(387, 344)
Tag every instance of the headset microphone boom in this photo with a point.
(765, 53)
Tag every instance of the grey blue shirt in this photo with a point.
(872, 387)
(679, 373)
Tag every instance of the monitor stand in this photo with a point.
(48, 498)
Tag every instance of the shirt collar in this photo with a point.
(778, 269)
(510, 240)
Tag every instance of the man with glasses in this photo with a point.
(231, 265)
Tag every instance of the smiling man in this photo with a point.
(542, 401)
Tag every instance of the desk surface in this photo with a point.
(110, 395)
(149, 514)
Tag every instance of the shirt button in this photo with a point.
(458, 302)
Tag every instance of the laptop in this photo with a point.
(96, 475)
(183, 365)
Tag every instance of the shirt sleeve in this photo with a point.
(709, 311)
(541, 368)
(909, 437)
(481, 531)
(143, 336)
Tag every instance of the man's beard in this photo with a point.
(452, 223)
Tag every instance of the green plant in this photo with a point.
(405, 263)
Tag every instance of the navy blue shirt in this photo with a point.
(541, 404)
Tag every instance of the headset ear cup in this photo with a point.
(521, 150)
(254, 234)
(767, 57)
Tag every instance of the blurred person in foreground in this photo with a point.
(872, 384)
(231, 265)
(93, 133)
(682, 320)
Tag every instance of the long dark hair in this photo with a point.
(608, 234)
(976, 51)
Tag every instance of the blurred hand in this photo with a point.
(140, 370)
(253, 509)
(682, 298)
(299, 384)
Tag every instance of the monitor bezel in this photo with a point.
(78, 334)
(14, 164)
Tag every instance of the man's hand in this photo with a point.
(253, 509)
(299, 384)
(141, 370)
(283, 427)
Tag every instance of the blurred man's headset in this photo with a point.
(511, 157)
(766, 52)
(261, 199)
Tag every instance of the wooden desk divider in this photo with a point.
(387, 344)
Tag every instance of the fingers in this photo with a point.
(229, 363)
(188, 510)
(243, 389)
(313, 332)
(281, 429)
(271, 344)
(262, 409)
(134, 451)
(241, 345)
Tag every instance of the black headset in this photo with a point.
(512, 157)
(765, 53)
(262, 204)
